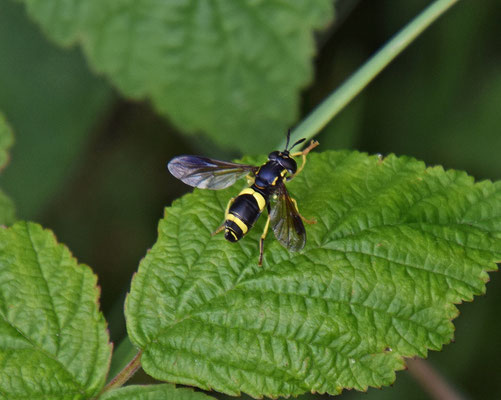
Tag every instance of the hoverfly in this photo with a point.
(267, 190)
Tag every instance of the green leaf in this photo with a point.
(395, 247)
(53, 339)
(154, 392)
(6, 140)
(226, 68)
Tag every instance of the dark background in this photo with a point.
(90, 165)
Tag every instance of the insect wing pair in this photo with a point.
(206, 173)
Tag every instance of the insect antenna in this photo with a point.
(287, 148)
(288, 138)
(295, 144)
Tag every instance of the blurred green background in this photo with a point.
(90, 165)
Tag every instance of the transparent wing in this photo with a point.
(206, 173)
(286, 221)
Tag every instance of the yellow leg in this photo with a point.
(261, 241)
(307, 221)
(303, 154)
(222, 226)
(219, 229)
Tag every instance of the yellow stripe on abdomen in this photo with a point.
(238, 221)
(261, 202)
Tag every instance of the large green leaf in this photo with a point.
(53, 339)
(6, 140)
(154, 392)
(228, 68)
(395, 247)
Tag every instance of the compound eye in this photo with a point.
(273, 155)
(290, 165)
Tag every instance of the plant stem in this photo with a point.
(431, 381)
(125, 374)
(122, 354)
(337, 100)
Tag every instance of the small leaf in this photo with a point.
(395, 247)
(226, 68)
(53, 339)
(154, 392)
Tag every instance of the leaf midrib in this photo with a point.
(299, 380)
(236, 286)
(46, 286)
(200, 311)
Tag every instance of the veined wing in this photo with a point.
(206, 173)
(286, 221)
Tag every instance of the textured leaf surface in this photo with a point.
(395, 247)
(53, 339)
(223, 67)
(6, 139)
(154, 392)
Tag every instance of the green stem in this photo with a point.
(125, 374)
(333, 104)
(122, 354)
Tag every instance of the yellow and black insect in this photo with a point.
(267, 190)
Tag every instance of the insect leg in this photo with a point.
(219, 229)
(308, 221)
(261, 241)
(223, 225)
(303, 154)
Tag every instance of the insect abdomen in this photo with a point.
(243, 213)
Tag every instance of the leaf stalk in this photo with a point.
(125, 374)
